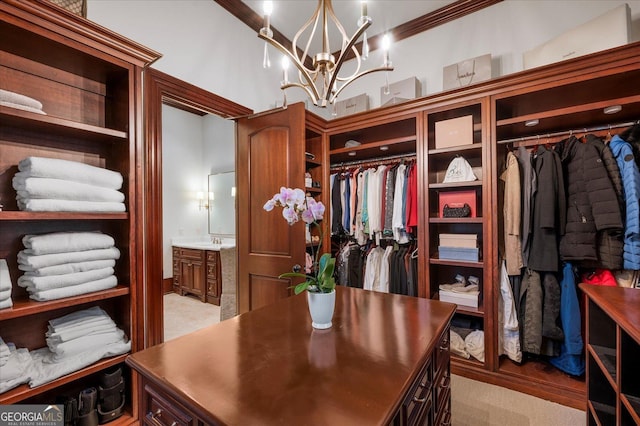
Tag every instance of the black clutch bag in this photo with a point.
(461, 211)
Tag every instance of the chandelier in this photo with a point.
(322, 81)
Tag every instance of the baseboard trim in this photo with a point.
(167, 285)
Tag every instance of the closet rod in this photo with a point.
(373, 161)
(569, 132)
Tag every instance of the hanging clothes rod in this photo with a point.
(569, 132)
(373, 161)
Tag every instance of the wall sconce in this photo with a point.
(201, 202)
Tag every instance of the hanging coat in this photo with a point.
(571, 358)
(592, 209)
(631, 185)
(508, 328)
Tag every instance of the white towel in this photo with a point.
(53, 205)
(5, 294)
(16, 371)
(6, 303)
(20, 99)
(45, 372)
(37, 187)
(4, 352)
(5, 278)
(86, 343)
(33, 284)
(78, 317)
(30, 262)
(62, 242)
(70, 170)
(74, 290)
(78, 325)
(22, 107)
(56, 338)
(70, 268)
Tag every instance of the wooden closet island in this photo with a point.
(385, 360)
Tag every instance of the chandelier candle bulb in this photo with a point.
(386, 45)
(364, 8)
(268, 9)
(285, 70)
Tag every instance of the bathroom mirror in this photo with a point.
(222, 203)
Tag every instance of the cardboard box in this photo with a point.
(353, 105)
(457, 198)
(454, 132)
(470, 299)
(467, 72)
(608, 30)
(459, 253)
(459, 240)
(401, 91)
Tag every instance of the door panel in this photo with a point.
(270, 154)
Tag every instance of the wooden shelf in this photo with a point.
(22, 216)
(455, 220)
(456, 149)
(24, 307)
(456, 185)
(449, 262)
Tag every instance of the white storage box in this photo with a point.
(409, 88)
(467, 72)
(459, 240)
(353, 105)
(470, 299)
(607, 31)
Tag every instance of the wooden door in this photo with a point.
(270, 154)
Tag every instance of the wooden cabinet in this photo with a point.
(613, 347)
(214, 277)
(197, 272)
(88, 80)
(187, 380)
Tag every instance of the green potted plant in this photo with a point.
(318, 278)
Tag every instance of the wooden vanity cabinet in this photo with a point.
(191, 272)
(214, 277)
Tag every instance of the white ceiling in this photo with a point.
(289, 15)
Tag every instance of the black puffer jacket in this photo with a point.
(611, 165)
(592, 208)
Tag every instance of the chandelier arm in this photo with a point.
(303, 87)
(351, 80)
(334, 18)
(342, 57)
(301, 68)
(314, 18)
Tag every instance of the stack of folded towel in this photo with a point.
(75, 341)
(51, 184)
(15, 365)
(5, 285)
(81, 331)
(19, 101)
(65, 264)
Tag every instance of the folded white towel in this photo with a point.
(71, 268)
(70, 170)
(30, 262)
(4, 352)
(62, 242)
(18, 98)
(5, 278)
(6, 303)
(5, 294)
(45, 372)
(21, 373)
(74, 290)
(86, 343)
(22, 107)
(53, 205)
(33, 284)
(79, 324)
(15, 365)
(77, 317)
(64, 336)
(37, 187)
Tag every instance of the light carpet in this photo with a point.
(476, 403)
(185, 314)
(473, 403)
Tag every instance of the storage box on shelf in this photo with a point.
(84, 76)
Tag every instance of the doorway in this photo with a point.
(164, 90)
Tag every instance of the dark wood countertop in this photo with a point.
(619, 303)
(269, 366)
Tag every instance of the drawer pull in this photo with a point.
(153, 418)
(420, 400)
(444, 345)
(446, 381)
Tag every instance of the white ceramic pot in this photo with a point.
(321, 307)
